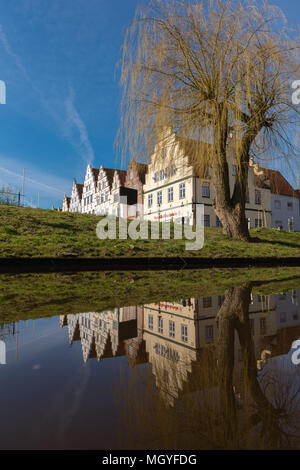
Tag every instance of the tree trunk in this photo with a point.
(233, 220)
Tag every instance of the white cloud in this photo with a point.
(76, 122)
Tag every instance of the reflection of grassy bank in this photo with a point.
(27, 296)
(26, 232)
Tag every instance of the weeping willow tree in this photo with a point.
(218, 74)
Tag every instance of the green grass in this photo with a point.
(26, 232)
(27, 296)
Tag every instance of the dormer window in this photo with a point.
(162, 175)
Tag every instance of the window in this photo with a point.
(182, 191)
(116, 197)
(234, 170)
(247, 197)
(167, 172)
(156, 177)
(258, 223)
(172, 329)
(206, 220)
(150, 200)
(205, 190)
(173, 170)
(290, 206)
(257, 197)
(170, 195)
(207, 302)
(150, 322)
(184, 333)
(277, 204)
(160, 325)
(159, 197)
(209, 333)
(162, 175)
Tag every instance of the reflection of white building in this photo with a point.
(177, 338)
(102, 334)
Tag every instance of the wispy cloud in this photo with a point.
(76, 122)
(73, 127)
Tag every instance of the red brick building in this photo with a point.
(135, 179)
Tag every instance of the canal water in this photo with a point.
(212, 372)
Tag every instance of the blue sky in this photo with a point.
(59, 62)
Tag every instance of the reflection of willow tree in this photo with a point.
(272, 422)
(207, 412)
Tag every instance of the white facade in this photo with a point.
(173, 190)
(89, 190)
(103, 195)
(75, 202)
(285, 212)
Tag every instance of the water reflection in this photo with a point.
(221, 367)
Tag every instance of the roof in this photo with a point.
(79, 188)
(109, 174)
(279, 185)
(261, 183)
(95, 172)
(141, 169)
(122, 176)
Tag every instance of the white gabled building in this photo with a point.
(76, 195)
(89, 190)
(173, 188)
(284, 202)
(103, 195)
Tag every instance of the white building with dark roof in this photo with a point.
(89, 190)
(284, 202)
(76, 196)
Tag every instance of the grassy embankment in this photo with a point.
(28, 232)
(27, 296)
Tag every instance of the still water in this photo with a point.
(215, 372)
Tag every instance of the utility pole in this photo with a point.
(23, 184)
